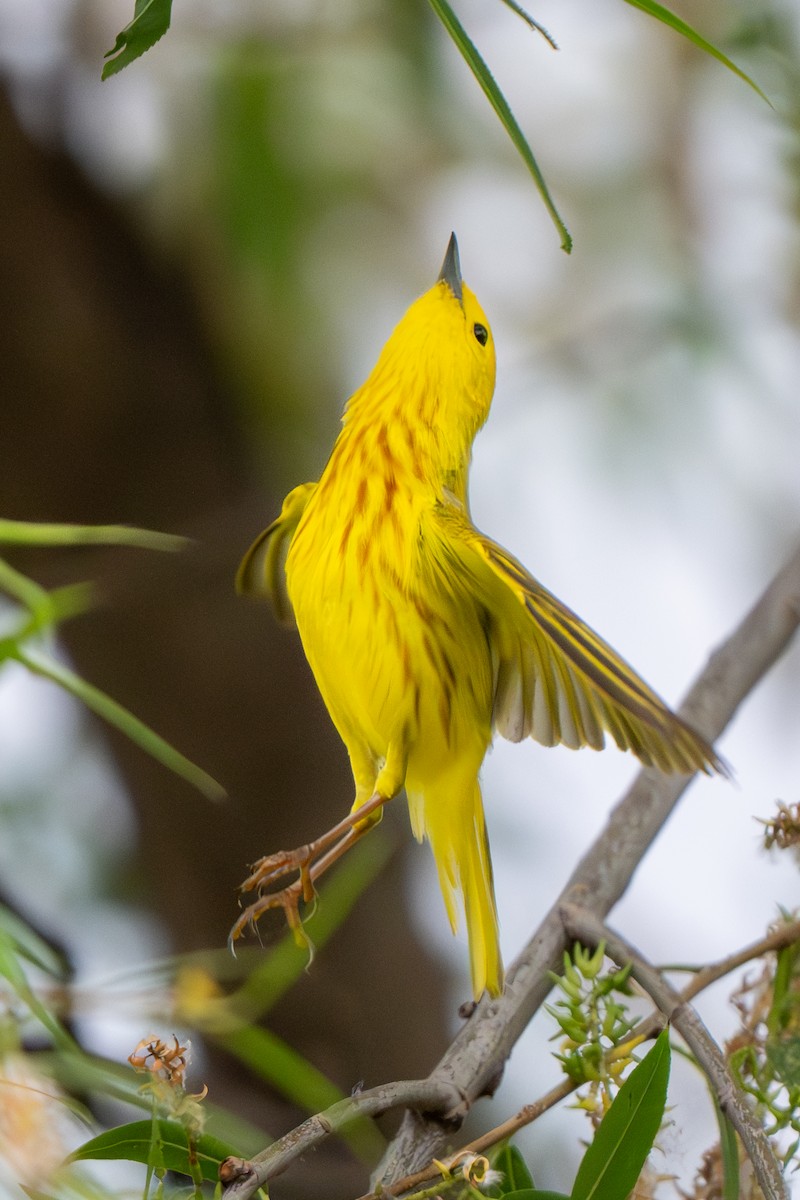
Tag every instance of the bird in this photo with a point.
(426, 637)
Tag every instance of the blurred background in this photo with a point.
(201, 258)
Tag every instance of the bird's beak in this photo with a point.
(451, 270)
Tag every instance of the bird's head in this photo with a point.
(436, 373)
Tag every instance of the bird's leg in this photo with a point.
(309, 861)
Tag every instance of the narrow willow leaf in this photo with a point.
(31, 946)
(530, 21)
(44, 609)
(729, 1153)
(533, 1194)
(118, 716)
(150, 22)
(13, 973)
(479, 69)
(19, 587)
(516, 1176)
(34, 533)
(614, 1160)
(133, 1142)
(654, 9)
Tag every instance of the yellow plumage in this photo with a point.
(425, 636)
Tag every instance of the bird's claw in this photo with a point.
(265, 873)
(274, 867)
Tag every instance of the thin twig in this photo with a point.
(590, 930)
(525, 1116)
(784, 935)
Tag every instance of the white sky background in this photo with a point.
(661, 538)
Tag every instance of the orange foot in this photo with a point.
(308, 862)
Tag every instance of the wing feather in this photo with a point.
(557, 680)
(262, 573)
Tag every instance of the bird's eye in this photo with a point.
(481, 334)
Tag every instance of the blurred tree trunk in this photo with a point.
(113, 411)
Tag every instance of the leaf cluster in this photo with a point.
(594, 1022)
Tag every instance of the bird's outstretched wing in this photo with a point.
(557, 680)
(262, 571)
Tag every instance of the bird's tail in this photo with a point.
(453, 824)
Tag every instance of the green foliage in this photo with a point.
(12, 951)
(150, 22)
(185, 1133)
(766, 1063)
(38, 533)
(729, 1154)
(121, 718)
(614, 1159)
(593, 1020)
(479, 69)
(670, 19)
(39, 613)
(513, 1168)
(534, 1194)
(134, 1142)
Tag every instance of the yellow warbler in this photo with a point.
(424, 635)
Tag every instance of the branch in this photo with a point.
(475, 1060)
(584, 927)
(245, 1176)
(644, 1029)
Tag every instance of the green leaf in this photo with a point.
(530, 22)
(133, 1142)
(729, 1152)
(150, 22)
(534, 1194)
(479, 69)
(34, 533)
(516, 1175)
(125, 721)
(783, 1056)
(654, 9)
(614, 1160)
(11, 970)
(29, 945)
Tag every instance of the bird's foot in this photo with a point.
(288, 898)
(286, 879)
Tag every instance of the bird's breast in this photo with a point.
(390, 651)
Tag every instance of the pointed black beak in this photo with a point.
(451, 270)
